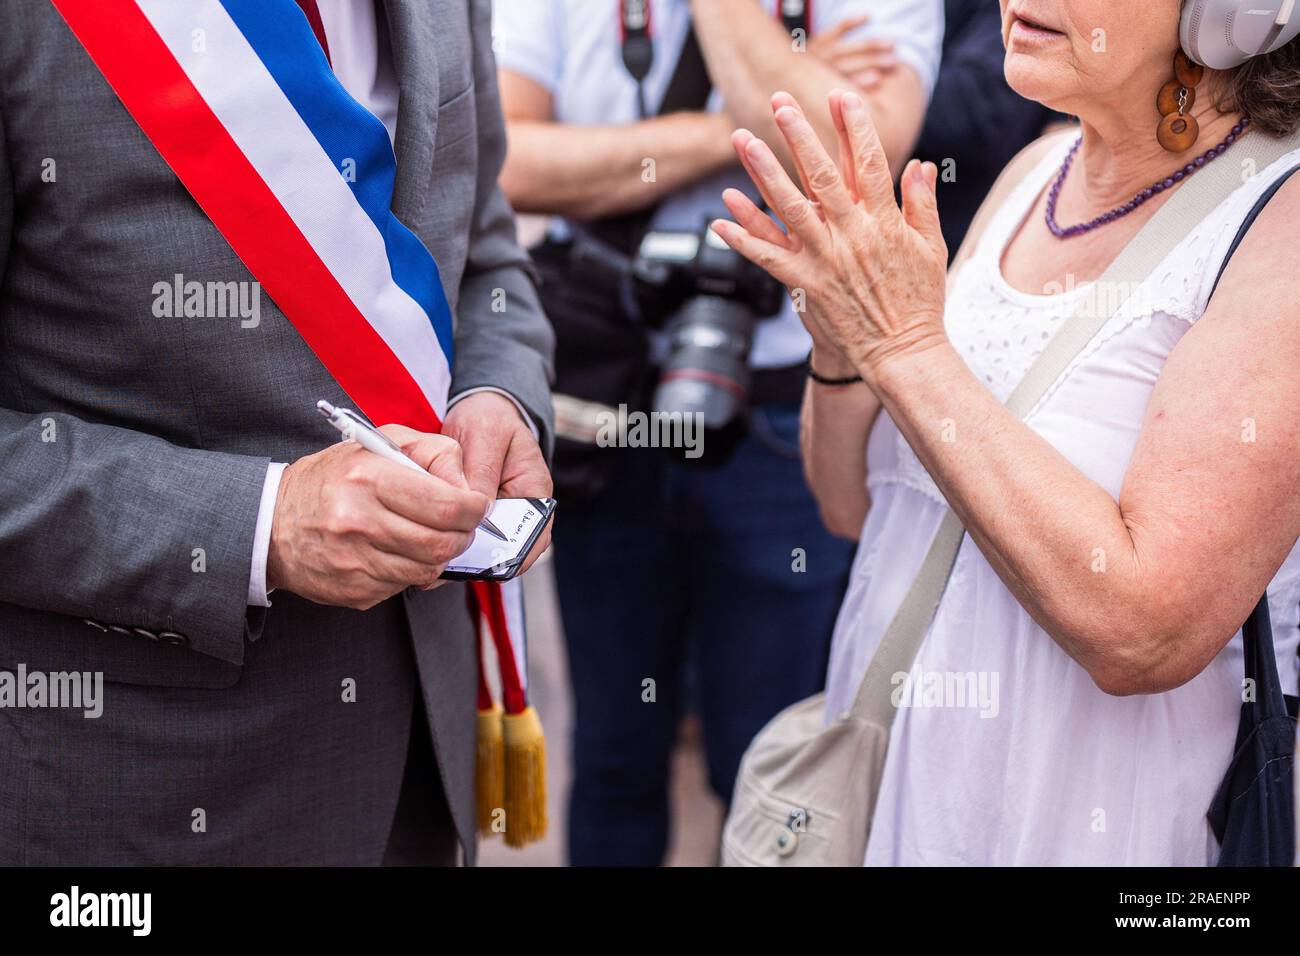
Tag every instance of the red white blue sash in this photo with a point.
(239, 99)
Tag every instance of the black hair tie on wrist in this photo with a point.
(825, 380)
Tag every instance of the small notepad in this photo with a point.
(522, 521)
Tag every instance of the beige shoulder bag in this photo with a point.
(807, 790)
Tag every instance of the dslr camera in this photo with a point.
(708, 299)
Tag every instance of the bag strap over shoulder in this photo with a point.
(1193, 201)
(1257, 632)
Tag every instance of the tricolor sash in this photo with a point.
(239, 100)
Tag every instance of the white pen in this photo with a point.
(351, 425)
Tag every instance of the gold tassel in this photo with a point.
(490, 769)
(525, 765)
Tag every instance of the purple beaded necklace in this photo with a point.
(1119, 212)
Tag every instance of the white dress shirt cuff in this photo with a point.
(528, 419)
(258, 596)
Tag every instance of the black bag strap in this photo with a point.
(688, 89)
(1257, 632)
(1249, 221)
(691, 84)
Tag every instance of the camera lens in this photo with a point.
(707, 371)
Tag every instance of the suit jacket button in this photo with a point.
(171, 637)
(144, 632)
(118, 629)
(95, 624)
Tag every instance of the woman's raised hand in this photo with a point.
(871, 275)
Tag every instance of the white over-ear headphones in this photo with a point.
(1222, 34)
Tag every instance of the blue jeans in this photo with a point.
(723, 574)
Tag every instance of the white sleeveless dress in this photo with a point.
(1017, 758)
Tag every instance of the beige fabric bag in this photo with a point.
(807, 790)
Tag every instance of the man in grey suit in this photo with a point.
(141, 523)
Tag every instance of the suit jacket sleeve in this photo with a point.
(503, 339)
(121, 527)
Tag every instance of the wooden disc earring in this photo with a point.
(1179, 131)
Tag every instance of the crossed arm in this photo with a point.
(749, 55)
(586, 172)
(1203, 520)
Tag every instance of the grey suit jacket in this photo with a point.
(132, 456)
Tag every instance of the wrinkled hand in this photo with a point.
(866, 62)
(502, 458)
(352, 529)
(872, 275)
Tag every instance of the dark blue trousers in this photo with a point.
(721, 576)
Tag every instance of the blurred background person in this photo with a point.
(618, 121)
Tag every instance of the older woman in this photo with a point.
(1119, 535)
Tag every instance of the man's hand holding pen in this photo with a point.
(352, 528)
(362, 520)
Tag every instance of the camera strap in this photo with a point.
(688, 89)
(637, 39)
(638, 45)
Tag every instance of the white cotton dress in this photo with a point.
(1056, 772)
